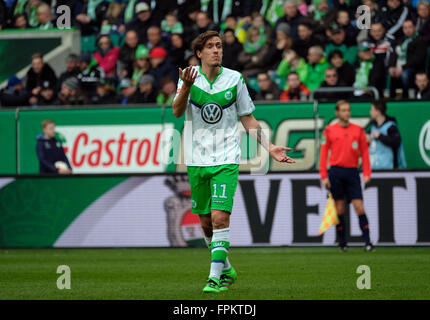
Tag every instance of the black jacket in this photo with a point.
(36, 80)
(50, 151)
(416, 55)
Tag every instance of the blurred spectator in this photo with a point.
(292, 17)
(127, 90)
(283, 44)
(142, 22)
(393, 14)
(422, 83)
(161, 66)
(423, 14)
(128, 14)
(366, 74)
(141, 64)
(14, 95)
(191, 59)
(315, 68)
(331, 80)
(203, 23)
(105, 94)
(306, 39)
(385, 149)
(296, 91)
(231, 49)
(48, 95)
(44, 17)
(408, 58)
(338, 41)
(374, 17)
(70, 93)
(343, 21)
(29, 8)
(50, 151)
(345, 71)
(127, 54)
(90, 75)
(155, 39)
(90, 15)
(320, 11)
(113, 18)
(219, 10)
(255, 50)
(20, 21)
(238, 28)
(72, 69)
(38, 73)
(145, 92)
(291, 62)
(170, 24)
(382, 46)
(106, 55)
(269, 90)
(177, 51)
(167, 91)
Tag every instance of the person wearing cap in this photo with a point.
(14, 95)
(48, 95)
(338, 41)
(126, 91)
(366, 74)
(142, 21)
(146, 92)
(72, 69)
(160, 65)
(141, 64)
(127, 53)
(70, 93)
(90, 74)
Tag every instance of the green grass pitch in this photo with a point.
(263, 273)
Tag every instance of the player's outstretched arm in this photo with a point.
(180, 103)
(252, 126)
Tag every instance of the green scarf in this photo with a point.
(275, 11)
(19, 7)
(177, 28)
(264, 7)
(92, 5)
(137, 74)
(402, 49)
(129, 11)
(226, 10)
(32, 19)
(362, 75)
(253, 47)
(204, 5)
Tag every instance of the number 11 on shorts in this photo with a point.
(223, 187)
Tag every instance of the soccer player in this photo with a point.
(212, 97)
(346, 141)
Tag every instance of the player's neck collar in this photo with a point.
(216, 77)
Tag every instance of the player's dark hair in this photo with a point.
(380, 106)
(199, 43)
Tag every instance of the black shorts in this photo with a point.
(345, 183)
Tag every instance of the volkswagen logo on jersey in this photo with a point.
(211, 112)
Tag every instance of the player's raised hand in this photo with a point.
(278, 153)
(188, 76)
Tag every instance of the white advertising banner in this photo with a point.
(269, 210)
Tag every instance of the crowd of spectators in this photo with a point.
(288, 48)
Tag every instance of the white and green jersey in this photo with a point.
(210, 133)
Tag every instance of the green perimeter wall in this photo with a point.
(411, 118)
